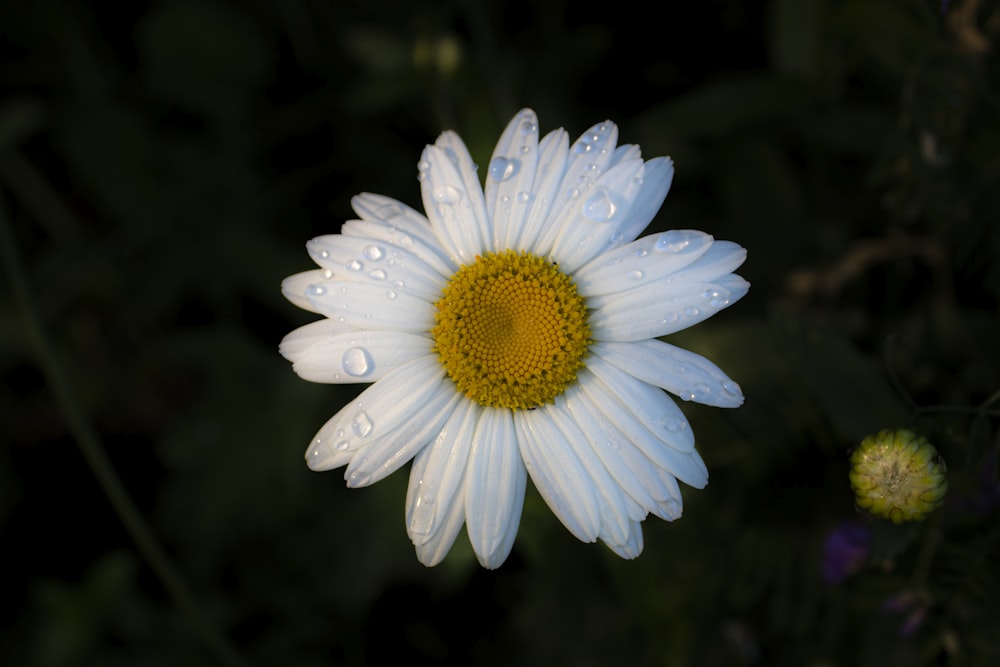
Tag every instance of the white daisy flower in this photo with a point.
(512, 333)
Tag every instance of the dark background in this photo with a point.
(163, 163)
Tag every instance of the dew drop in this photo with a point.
(673, 241)
(328, 274)
(389, 211)
(404, 241)
(671, 423)
(582, 147)
(373, 253)
(362, 424)
(635, 275)
(391, 295)
(315, 290)
(423, 165)
(357, 362)
(529, 127)
(502, 168)
(422, 518)
(599, 207)
(359, 478)
(572, 193)
(342, 446)
(377, 274)
(731, 388)
(398, 283)
(354, 265)
(702, 388)
(446, 194)
(523, 197)
(616, 238)
(524, 150)
(691, 311)
(641, 252)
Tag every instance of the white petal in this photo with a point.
(601, 210)
(408, 229)
(510, 178)
(558, 474)
(617, 403)
(366, 305)
(436, 479)
(378, 410)
(453, 199)
(630, 468)
(625, 152)
(648, 259)
(368, 260)
(654, 409)
(387, 452)
(629, 548)
(553, 155)
(722, 258)
(679, 371)
(356, 356)
(294, 288)
(589, 158)
(616, 508)
(661, 307)
(656, 180)
(494, 492)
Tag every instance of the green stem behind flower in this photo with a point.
(93, 452)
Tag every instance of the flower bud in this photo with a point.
(898, 475)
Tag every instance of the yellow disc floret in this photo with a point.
(511, 330)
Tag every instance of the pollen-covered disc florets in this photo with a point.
(898, 475)
(511, 330)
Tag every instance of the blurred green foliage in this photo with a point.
(163, 163)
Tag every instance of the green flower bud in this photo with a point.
(898, 475)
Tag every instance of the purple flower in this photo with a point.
(845, 552)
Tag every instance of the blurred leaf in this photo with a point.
(854, 392)
(795, 36)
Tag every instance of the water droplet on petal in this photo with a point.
(423, 165)
(582, 147)
(447, 195)
(389, 211)
(377, 274)
(641, 252)
(354, 265)
(342, 446)
(702, 388)
(391, 295)
(671, 423)
(359, 479)
(523, 197)
(731, 388)
(357, 362)
(373, 253)
(691, 311)
(362, 424)
(635, 275)
(673, 241)
(599, 207)
(572, 193)
(422, 517)
(315, 290)
(529, 127)
(404, 241)
(502, 168)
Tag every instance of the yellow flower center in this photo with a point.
(511, 330)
